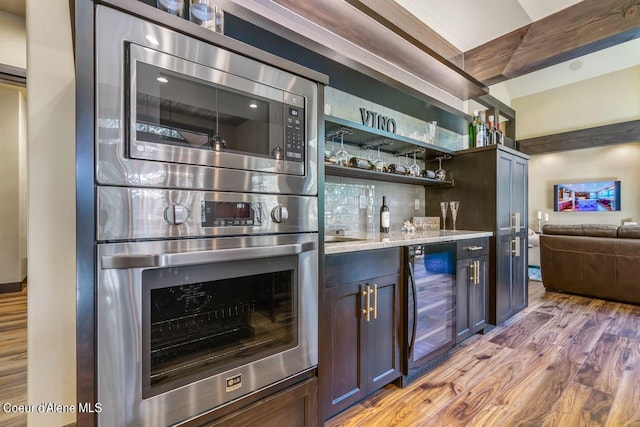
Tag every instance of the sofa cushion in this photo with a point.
(629, 232)
(591, 230)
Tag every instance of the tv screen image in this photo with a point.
(600, 196)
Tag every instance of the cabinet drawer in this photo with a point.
(362, 265)
(472, 248)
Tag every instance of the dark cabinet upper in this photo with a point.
(492, 187)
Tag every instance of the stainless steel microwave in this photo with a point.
(175, 112)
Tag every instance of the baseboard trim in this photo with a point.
(10, 287)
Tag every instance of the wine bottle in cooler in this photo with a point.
(384, 216)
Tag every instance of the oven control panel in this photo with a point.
(231, 214)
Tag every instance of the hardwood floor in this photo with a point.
(13, 356)
(563, 361)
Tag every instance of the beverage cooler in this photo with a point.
(429, 330)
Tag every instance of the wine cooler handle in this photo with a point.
(517, 222)
(415, 309)
(202, 257)
(516, 249)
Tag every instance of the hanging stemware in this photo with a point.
(414, 168)
(378, 164)
(342, 157)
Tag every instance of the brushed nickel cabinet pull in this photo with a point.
(474, 248)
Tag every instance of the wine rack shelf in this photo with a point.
(347, 172)
(361, 135)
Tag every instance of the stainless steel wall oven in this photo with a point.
(207, 224)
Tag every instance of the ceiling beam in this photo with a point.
(374, 33)
(583, 28)
(408, 26)
(618, 133)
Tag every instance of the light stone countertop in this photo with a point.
(395, 239)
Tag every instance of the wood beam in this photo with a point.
(618, 133)
(375, 35)
(408, 26)
(583, 28)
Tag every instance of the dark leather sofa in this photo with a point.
(601, 261)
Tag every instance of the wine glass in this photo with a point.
(443, 209)
(454, 212)
(431, 131)
(441, 174)
(414, 168)
(342, 157)
(378, 163)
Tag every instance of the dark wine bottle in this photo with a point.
(384, 216)
(399, 169)
(360, 163)
(476, 131)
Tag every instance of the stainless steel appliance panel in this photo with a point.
(126, 213)
(171, 168)
(120, 338)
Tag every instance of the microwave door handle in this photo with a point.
(202, 257)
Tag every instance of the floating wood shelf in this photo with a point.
(347, 172)
(389, 142)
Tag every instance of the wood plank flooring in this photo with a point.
(563, 361)
(13, 356)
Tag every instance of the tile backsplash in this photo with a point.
(346, 106)
(354, 204)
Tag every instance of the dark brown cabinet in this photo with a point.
(295, 406)
(359, 331)
(471, 287)
(492, 187)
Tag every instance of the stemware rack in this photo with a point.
(364, 137)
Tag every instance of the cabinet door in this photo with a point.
(520, 280)
(382, 349)
(504, 210)
(519, 189)
(464, 275)
(502, 308)
(478, 297)
(343, 374)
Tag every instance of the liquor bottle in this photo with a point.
(499, 134)
(398, 169)
(360, 163)
(384, 216)
(476, 131)
(492, 132)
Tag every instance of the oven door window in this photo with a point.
(202, 320)
(183, 112)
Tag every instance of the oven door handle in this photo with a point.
(202, 257)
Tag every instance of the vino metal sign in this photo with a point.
(377, 120)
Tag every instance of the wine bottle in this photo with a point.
(476, 131)
(499, 134)
(492, 132)
(399, 169)
(360, 163)
(384, 216)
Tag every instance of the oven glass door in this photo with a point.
(201, 320)
(184, 112)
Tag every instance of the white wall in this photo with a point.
(13, 40)
(12, 180)
(593, 164)
(611, 98)
(23, 185)
(51, 217)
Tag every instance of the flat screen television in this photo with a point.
(599, 196)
